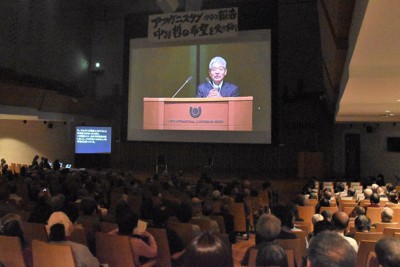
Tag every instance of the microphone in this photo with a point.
(188, 80)
(214, 87)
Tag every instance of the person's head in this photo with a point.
(374, 199)
(340, 220)
(374, 188)
(390, 187)
(11, 225)
(367, 193)
(327, 194)
(185, 212)
(272, 255)
(160, 216)
(327, 214)
(59, 217)
(57, 232)
(392, 197)
(329, 249)
(362, 223)
(357, 211)
(322, 226)
(88, 206)
(217, 69)
(351, 192)
(387, 215)
(339, 187)
(127, 222)
(387, 251)
(268, 227)
(207, 250)
(285, 214)
(316, 218)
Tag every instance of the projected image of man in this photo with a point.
(217, 87)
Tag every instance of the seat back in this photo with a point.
(106, 227)
(366, 246)
(303, 236)
(45, 254)
(389, 231)
(184, 231)
(295, 245)
(374, 214)
(306, 212)
(163, 255)
(11, 251)
(114, 250)
(375, 236)
(304, 226)
(379, 227)
(34, 231)
(331, 209)
(79, 236)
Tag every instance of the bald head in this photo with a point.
(340, 220)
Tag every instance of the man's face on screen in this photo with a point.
(217, 73)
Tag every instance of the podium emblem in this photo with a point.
(195, 112)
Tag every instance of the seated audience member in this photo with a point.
(285, 215)
(387, 215)
(322, 226)
(42, 209)
(367, 193)
(62, 218)
(374, 200)
(390, 188)
(387, 252)
(267, 230)
(176, 247)
(207, 250)
(362, 223)
(6, 206)
(229, 221)
(325, 201)
(316, 218)
(392, 198)
(11, 225)
(143, 245)
(327, 215)
(357, 211)
(328, 249)
(89, 220)
(272, 255)
(202, 218)
(82, 255)
(340, 221)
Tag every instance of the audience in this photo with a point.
(65, 200)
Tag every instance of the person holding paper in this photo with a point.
(217, 87)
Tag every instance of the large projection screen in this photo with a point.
(158, 70)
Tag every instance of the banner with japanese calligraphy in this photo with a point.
(215, 23)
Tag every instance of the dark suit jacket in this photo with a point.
(227, 90)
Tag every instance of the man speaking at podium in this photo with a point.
(217, 87)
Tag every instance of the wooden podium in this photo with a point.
(211, 114)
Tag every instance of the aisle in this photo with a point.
(240, 248)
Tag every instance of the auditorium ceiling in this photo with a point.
(369, 88)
